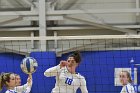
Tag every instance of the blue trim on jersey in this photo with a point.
(12, 91)
(127, 90)
(135, 89)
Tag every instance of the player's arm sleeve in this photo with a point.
(123, 90)
(83, 86)
(21, 88)
(7, 92)
(52, 71)
(130, 89)
(28, 89)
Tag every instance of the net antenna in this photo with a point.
(136, 86)
(132, 68)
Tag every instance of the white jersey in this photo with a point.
(20, 89)
(65, 81)
(27, 90)
(128, 89)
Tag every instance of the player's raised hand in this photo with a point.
(29, 80)
(63, 63)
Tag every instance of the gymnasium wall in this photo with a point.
(42, 84)
(10, 62)
(97, 67)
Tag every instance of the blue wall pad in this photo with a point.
(96, 66)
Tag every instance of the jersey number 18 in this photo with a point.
(68, 81)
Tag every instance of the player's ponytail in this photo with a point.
(4, 77)
(0, 82)
(76, 56)
(129, 77)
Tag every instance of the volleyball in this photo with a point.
(29, 65)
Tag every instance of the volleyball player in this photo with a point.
(126, 81)
(9, 81)
(67, 79)
(18, 83)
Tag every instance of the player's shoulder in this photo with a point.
(10, 91)
(123, 89)
(7, 92)
(129, 85)
(80, 76)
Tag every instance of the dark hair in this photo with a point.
(17, 75)
(128, 76)
(76, 56)
(4, 77)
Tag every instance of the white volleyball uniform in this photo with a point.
(128, 89)
(28, 89)
(65, 81)
(20, 89)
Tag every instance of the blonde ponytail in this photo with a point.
(4, 77)
(1, 81)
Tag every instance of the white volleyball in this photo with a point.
(29, 65)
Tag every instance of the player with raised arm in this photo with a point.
(18, 83)
(67, 79)
(9, 81)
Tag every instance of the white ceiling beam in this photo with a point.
(15, 13)
(68, 4)
(35, 18)
(55, 41)
(95, 11)
(32, 41)
(61, 12)
(19, 18)
(72, 28)
(137, 6)
(105, 26)
(127, 26)
(89, 27)
(20, 29)
(42, 24)
(87, 37)
(63, 28)
(30, 3)
(48, 28)
(137, 13)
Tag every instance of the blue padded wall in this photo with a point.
(10, 62)
(42, 84)
(97, 67)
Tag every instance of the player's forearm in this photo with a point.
(28, 89)
(21, 88)
(83, 86)
(52, 71)
(85, 91)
